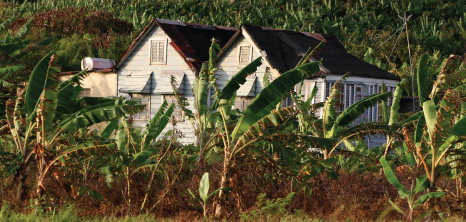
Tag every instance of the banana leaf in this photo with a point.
(156, 125)
(430, 114)
(357, 109)
(419, 130)
(88, 149)
(48, 107)
(396, 102)
(201, 93)
(36, 84)
(13, 49)
(5, 24)
(99, 113)
(108, 130)
(427, 196)
(392, 179)
(75, 79)
(457, 132)
(11, 69)
(239, 79)
(24, 30)
(271, 95)
(421, 76)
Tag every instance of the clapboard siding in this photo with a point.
(228, 64)
(139, 60)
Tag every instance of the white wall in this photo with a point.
(139, 60)
(228, 64)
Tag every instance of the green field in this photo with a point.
(54, 168)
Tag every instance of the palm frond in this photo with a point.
(271, 95)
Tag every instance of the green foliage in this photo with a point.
(360, 25)
(422, 183)
(204, 194)
(269, 209)
(70, 51)
(272, 95)
(60, 215)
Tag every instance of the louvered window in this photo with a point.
(158, 52)
(244, 55)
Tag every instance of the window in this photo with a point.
(244, 55)
(144, 99)
(349, 95)
(177, 113)
(158, 51)
(242, 102)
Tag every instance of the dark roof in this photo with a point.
(191, 41)
(284, 49)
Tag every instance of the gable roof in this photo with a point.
(191, 41)
(283, 49)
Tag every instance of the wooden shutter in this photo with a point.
(244, 55)
(158, 52)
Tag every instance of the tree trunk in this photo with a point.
(223, 183)
(21, 177)
(325, 152)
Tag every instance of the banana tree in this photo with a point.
(393, 115)
(236, 140)
(422, 184)
(332, 130)
(136, 152)
(441, 124)
(11, 50)
(205, 118)
(42, 129)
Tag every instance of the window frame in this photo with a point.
(165, 46)
(249, 60)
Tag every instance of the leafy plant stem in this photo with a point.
(154, 170)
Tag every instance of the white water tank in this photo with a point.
(90, 63)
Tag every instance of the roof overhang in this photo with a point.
(137, 82)
(164, 83)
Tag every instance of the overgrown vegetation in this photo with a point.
(259, 162)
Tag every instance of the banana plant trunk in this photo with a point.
(21, 177)
(325, 153)
(223, 183)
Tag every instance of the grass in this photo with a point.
(65, 214)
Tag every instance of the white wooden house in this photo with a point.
(163, 49)
(173, 48)
(281, 51)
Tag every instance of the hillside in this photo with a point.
(435, 28)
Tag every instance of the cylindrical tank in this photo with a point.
(90, 63)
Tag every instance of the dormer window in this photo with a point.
(244, 55)
(158, 51)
